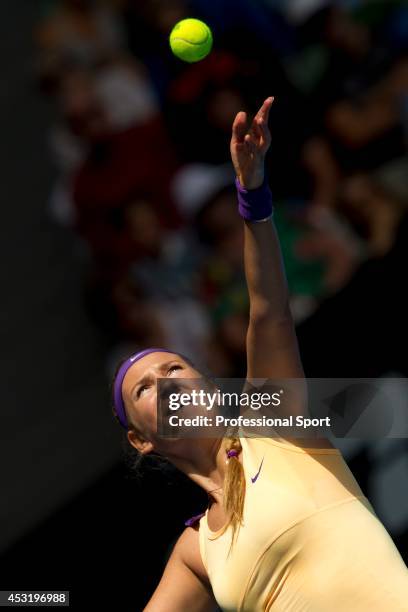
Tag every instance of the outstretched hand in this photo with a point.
(249, 145)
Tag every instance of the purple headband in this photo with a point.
(117, 386)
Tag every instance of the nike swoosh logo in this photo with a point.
(254, 478)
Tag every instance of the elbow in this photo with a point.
(265, 313)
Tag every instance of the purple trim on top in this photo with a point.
(117, 387)
(191, 521)
(254, 204)
(255, 478)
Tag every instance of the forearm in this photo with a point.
(264, 268)
(272, 349)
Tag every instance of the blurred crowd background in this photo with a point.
(143, 187)
(141, 143)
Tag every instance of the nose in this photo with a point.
(167, 386)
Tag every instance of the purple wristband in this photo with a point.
(254, 204)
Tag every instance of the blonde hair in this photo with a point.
(234, 490)
(234, 481)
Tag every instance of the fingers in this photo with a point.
(264, 135)
(239, 127)
(251, 146)
(260, 124)
(257, 137)
(256, 129)
(263, 113)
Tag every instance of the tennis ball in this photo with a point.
(191, 40)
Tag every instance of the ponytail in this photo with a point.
(234, 488)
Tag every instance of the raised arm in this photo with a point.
(272, 348)
(184, 586)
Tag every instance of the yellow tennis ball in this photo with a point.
(191, 40)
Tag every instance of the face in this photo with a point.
(139, 391)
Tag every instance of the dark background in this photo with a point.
(119, 231)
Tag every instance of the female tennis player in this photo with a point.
(287, 527)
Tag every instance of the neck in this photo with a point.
(206, 465)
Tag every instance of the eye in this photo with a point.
(175, 366)
(142, 388)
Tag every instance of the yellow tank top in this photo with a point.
(310, 540)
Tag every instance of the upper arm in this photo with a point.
(184, 586)
(273, 353)
(271, 343)
(272, 348)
